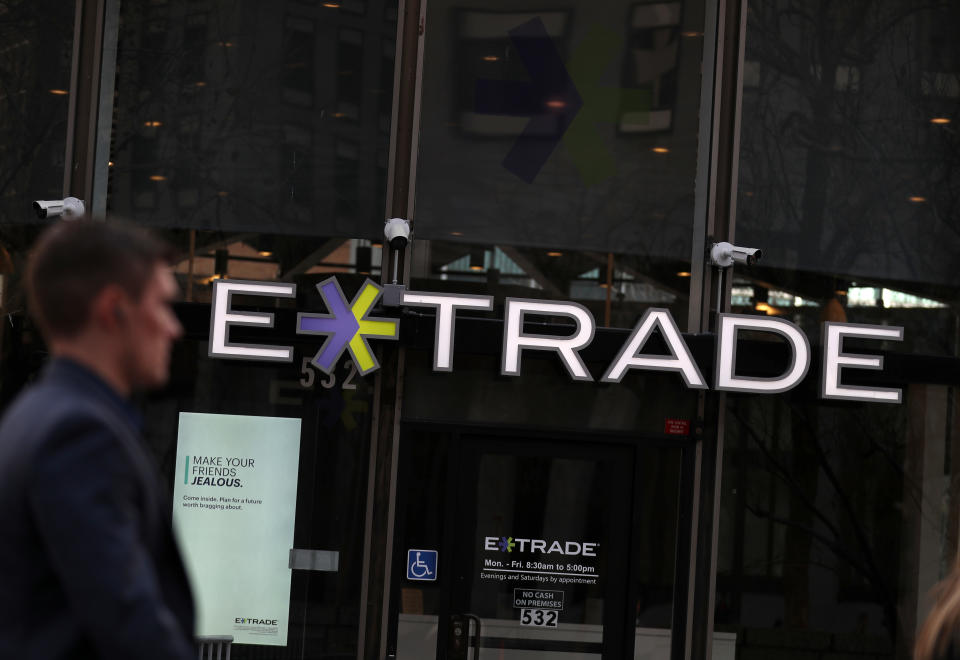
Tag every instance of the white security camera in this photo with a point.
(71, 207)
(725, 255)
(397, 231)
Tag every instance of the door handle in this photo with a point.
(460, 641)
(476, 639)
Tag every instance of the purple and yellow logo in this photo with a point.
(348, 327)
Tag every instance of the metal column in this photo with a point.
(388, 387)
(710, 295)
(89, 119)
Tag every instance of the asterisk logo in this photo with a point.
(348, 327)
(506, 544)
(572, 98)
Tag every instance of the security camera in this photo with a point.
(725, 255)
(71, 207)
(397, 231)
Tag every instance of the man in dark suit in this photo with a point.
(88, 563)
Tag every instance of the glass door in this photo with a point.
(517, 547)
(539, 550)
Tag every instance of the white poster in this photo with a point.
(234, 506)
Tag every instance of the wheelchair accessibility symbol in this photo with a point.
(422, 565)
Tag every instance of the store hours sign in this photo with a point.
(347, 327)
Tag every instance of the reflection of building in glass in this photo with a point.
(254, 117)
(842, 150)
(652, 58)
(561, 137)
(497, 93)
(35, 49)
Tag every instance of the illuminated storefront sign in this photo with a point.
(348, 328)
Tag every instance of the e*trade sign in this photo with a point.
(347, 327)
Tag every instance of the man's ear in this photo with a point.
(109, 308)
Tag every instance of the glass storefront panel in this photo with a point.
(558, 152)
(838, 518)
(35, 58)
(254, 137)
(327, 473)
(241, 116)
(847, 175)
(36, 48)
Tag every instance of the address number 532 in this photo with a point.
(541, 618)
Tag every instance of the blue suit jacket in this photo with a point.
(88, 564)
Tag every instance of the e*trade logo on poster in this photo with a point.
(347, 327)
(543, 546)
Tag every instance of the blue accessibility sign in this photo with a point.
(422, 565)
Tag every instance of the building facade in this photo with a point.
(566, 168)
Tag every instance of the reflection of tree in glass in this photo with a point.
(823, 501)
(841, 166)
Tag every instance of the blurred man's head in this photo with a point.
(101, 292)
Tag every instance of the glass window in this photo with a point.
(298, 60)
(558, 152)
(251, 109)
(838, 517)
(252, 136)
(36, 46)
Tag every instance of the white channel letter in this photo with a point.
(514, 339)
(834, 359)
(730, 325)
(678, 360)
(446, 306)
(222, 317)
